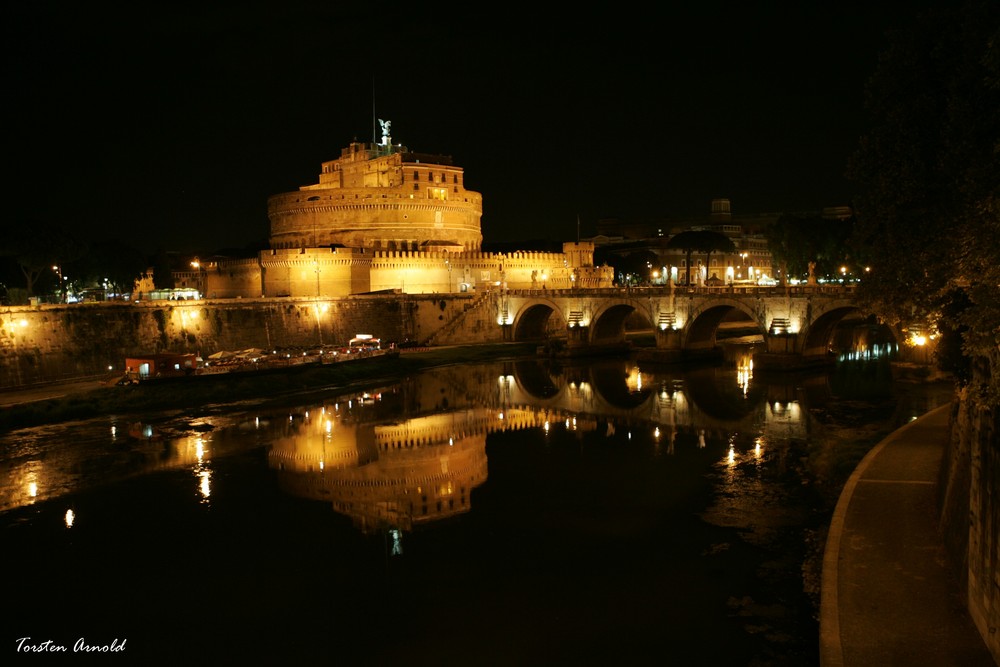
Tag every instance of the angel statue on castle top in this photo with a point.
(385, 130)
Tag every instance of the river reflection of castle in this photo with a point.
(413, 456)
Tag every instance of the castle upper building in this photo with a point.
(384, 218)
(380, 197)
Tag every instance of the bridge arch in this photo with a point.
(816, 339)
(608, 324)
(789, 323)
(534, 321)
(704, 322)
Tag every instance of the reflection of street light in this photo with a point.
(13, 326)
(320, 311)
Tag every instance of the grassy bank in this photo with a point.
(195, 393)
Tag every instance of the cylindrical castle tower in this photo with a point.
(381, 197)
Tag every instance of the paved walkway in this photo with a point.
(20, 395)
(887, 596)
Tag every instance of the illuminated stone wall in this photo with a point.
(444, 272)
(326, 272)
(232, 279)
(58, 342)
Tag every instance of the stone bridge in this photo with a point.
(796, 323)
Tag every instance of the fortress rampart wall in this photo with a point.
(60, 342)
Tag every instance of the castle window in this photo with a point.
(416, 186)
(454, 178)
(416, 175)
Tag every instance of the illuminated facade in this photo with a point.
(380, 197)
(382, 217)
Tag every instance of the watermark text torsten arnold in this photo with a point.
(81, 645)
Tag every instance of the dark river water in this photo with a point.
(511, 513)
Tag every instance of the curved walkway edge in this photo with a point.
(888, 597)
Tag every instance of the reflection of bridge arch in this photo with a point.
(377, 461)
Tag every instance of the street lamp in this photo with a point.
(62, 294)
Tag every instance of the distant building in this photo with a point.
(750, 263)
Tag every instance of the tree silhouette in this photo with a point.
(929, 203)
(36, 246)
(796, 240)
(700, 240)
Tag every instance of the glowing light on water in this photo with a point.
(744, 373)
(201, 470)
(205, 487)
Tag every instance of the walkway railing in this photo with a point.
(773, 290)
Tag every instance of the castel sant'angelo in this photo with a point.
(382, 218)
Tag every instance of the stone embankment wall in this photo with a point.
(970, 510)
(59, 342)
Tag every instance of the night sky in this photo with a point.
(172, 123)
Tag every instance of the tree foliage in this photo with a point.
(114, 261)
(795, 241)
(633, 268)
(700, 240)
(929, 171)
(36, 246)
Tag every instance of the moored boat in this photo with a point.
(166, 366)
